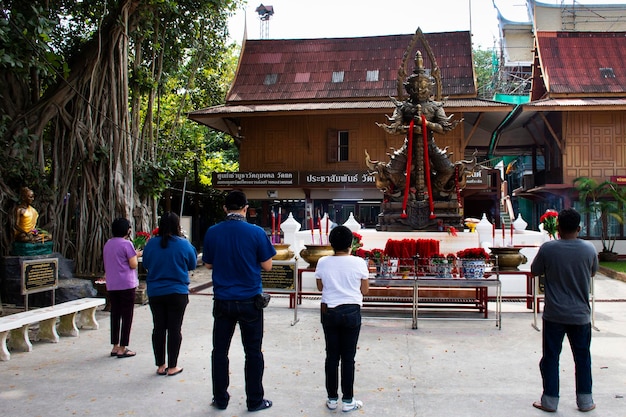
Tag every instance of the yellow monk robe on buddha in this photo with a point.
(26, 220)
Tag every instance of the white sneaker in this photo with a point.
(331, 404)
(352, 405)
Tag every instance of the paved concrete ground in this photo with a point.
(443, 368)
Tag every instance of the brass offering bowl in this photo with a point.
(509, 257)
(283, 253)
(313, 253)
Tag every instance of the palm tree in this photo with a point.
(603, 202)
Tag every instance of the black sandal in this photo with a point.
(264, 404)
(127, 353)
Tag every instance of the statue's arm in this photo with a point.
(19, 212)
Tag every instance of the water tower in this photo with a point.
(265, 12)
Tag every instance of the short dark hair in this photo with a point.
(235, 200)
(568, 220)
(340, 238)
(120, 227)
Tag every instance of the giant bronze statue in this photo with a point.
(421, 185)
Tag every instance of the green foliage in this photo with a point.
(152, 178)
(619, 266)
(604, 201)
(486, 67)
(18, 167)
(177, 59)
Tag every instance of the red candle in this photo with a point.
(493, 234)
(511, 234)
(312, 228)
(319, 225)
(273, 225)
(327, 227)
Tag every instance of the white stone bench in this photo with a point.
(17, 324)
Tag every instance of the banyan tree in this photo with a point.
(80, 84)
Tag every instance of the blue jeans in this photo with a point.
(342, 326)
(226, 315)
(579, 337)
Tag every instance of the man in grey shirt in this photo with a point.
(568, 265)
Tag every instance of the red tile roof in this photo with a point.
(303, 69)
(583, 63)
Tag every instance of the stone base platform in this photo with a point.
(69, 288)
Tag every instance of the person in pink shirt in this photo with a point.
(120, 267)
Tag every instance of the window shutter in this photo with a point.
(331, 146)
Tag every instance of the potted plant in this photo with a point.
(473, 254)
(375, 256)
(441, 266)
(602, 202)
(473, 262)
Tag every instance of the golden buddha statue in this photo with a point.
(26, 220)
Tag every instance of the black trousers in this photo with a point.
(167, 318)
(122, 310)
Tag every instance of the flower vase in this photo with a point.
(473, 268)
(442, 270)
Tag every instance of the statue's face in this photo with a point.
(419, 88)
(423, 89)
(29, 197)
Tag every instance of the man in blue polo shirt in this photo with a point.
(237, 251)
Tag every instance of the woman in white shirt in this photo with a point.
(343, 280)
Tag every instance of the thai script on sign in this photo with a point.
(291, 178)
(254, 178)
(254, 175)
(333, 178)
(476, 178)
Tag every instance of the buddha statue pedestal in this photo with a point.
(31, 249)
(70, 287)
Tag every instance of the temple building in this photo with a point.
(303, 112)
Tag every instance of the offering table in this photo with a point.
(403, 292)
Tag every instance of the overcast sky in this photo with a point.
(296, 19)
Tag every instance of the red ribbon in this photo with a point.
(456, 185)
(408, 170)
(431, 203)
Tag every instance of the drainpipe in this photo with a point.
(496, 133)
